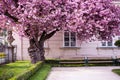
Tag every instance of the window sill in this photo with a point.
(70, 47)
(46, 48)
(112, 47)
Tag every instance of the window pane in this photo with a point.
(66, 43)
(66, 34)
(103, 43)
(72, 34)
(109, 43)
(66, 39)
(73, 43)
(73, 39)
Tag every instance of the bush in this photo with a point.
(42, 73)
(57, 63)
(6, 74)
(52, 61)
(117, 43)
(28, 73)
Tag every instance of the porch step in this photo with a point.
(86, 62)
(92, 60)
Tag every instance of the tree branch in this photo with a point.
(10, 16)
(16, 3)
(42, 36)
(32, 41)
(47, 36)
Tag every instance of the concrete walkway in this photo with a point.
(83, 73)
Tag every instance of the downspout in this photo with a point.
(22, 48)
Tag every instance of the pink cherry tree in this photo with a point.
(39, 20)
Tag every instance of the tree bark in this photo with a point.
(36, 52)
(32, 51)
(41, 51)
(36, 49)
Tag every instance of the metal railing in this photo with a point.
(8, 54)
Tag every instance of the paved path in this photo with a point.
(83, 73)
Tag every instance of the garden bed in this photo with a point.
(12, 69)
(20, 70)
(24, 70)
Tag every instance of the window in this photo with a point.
(107, 43)
(3, 35)
(69, 39)
(103, 43)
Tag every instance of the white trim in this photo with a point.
(74, 47)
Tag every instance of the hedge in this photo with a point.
(56, 63)
(25, 75)
(117, 43)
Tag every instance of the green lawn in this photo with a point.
(13, 69)
(117, 71)
(42, 73)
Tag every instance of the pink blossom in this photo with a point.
(88, 18)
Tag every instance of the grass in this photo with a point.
(117, 71)
(13, 69)
(42, 73)
(19, 67)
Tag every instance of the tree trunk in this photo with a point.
(41, 51)
(33, 54)
(36, 51)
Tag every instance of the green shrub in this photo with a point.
(52, 61)
(6, 74)
(28, 73)
(117, 43)
(42, 73)
(56, 63)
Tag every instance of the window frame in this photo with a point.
(106, 44)
(70, 40)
